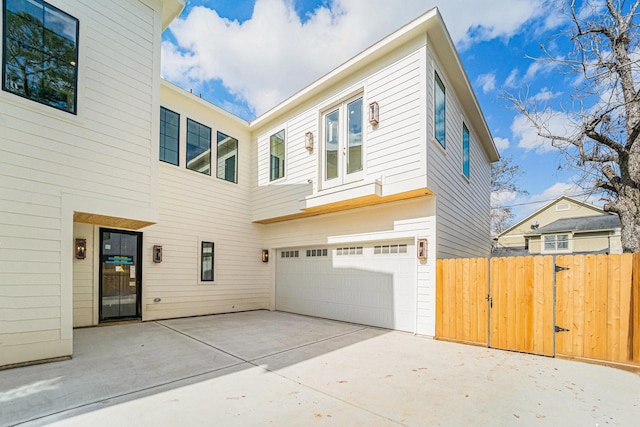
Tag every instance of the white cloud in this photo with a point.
(539, 67)
(273, 54)
(545, 95)
(502, 197)
(487, 82)
(501, 143)
(526, 134)
(512, 79)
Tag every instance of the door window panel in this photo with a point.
(120, 275)
(331, 144)
(354, 153)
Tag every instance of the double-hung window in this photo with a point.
(169, 136)
(198, 147)
(343, 154)
(40, 53)
(556, 243)
(227, 158)
(276, 156)
(439, 111)
(465, 150)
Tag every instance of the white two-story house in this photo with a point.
(124, 197)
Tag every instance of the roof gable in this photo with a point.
(524, 223)
(431, 25)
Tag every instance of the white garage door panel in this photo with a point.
(371, 289)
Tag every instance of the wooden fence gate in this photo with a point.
(577, 306)
(521, 304)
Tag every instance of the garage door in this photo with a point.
(372, 284)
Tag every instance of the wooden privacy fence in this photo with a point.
(582, 306)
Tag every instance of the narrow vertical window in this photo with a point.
(40, 54)
(227, 158)
(439, 111)
(465, 150)
(206, 262)
(277, 153)
(198, 147)
(169, 136)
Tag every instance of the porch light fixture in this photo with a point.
(81, 248)
(422, 249)
(374, 113)
(265, 255)
(308, 141)
(157, 254)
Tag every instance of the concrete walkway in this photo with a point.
(270, 368)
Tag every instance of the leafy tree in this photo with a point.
(504, 174)
(603, 120)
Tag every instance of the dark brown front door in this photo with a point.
(120, 274)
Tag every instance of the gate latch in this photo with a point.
(560, 329)
(560, 268)
(488, 298)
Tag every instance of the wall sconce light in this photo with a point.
(265, 255)
(81, 248)
(374, 113)
(157, 253)
(308, 141)
(422, 249)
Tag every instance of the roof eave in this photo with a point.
(171, 9)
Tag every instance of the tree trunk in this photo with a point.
(628, 208)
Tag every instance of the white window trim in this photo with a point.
(341, 104)
(555, 250)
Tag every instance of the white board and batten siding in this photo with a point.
(463, 205)
(195, 207)
(53, 163)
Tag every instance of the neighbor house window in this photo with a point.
(198, 147)
(206, 262)
(40, 55)
(465, 151)
(227, 158)
(556, 243)
(439, 111)
(169, 136)
(276, 163)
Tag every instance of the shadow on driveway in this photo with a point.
(261, 368)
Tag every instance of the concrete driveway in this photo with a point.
(272, 368)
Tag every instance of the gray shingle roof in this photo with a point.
(580, 224)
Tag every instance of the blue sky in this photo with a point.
(248, 55)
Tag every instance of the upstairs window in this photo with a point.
(465, 150)
(276, 162)
(169, 136)
(439, 111)
(198, 147)
(40, 55)
(227, 158)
